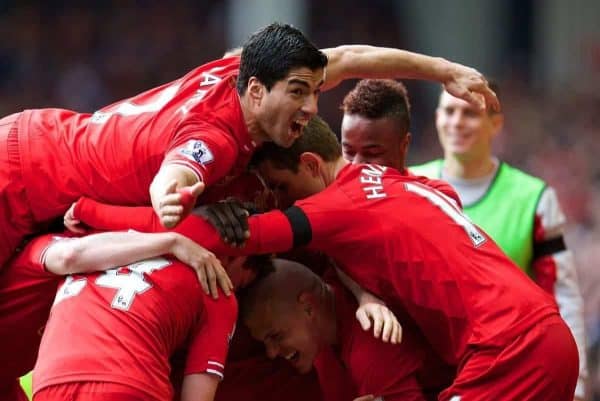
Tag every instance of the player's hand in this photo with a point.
(230, 218)
(469, 84)
(368, 397)
(176, 203)
(73, 224)
(207, 266)
(385, 324)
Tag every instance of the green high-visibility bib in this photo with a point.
(506, 211)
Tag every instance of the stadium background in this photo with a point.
(544, 54)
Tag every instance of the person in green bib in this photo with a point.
(519, 211)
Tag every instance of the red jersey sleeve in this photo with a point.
(100, 216)
(210, 342)
(208, 151)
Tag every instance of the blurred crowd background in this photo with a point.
(544, 54)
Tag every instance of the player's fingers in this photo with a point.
(170, 199)
(171, 210)
(388, 325)
(170, 221)
(223, 279)
(222, 215)
(201, 273)
(238, 219)
(491, 99)
(211, 278)
(397, 334)
(377, 323)
(363, 319)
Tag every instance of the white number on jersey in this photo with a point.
(448, 206)
(70, 288)
(131, 282)
(128, 283)
(129, 109)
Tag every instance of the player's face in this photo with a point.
(464, 130)
(288, 186)
(285, 110)
(378, 141)
(291, 335)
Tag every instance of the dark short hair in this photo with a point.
(272, 52)
(379, 98)
(317, 138)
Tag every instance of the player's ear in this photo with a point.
(306, 300)
(312, 162)
(255, 90)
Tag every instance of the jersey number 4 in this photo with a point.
(448, 206)
(128, 281)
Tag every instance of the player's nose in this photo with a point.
(272, 350)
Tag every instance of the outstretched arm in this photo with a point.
(361, 61)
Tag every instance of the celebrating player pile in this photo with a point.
(475, 327)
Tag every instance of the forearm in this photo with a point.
(103, 251)
(361, 61)
(199, 387)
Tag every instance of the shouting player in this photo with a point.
(191, 132)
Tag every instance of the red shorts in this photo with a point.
(91, 391)
(16, 220)
(540, 365)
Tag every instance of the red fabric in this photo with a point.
(26, 295)
(123, 325)
(113, 155)
(411, 248)
(417, 373)
(539, 365)
(544, 268)
(91, 392)
(15, 218)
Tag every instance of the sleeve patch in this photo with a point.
(197, 151)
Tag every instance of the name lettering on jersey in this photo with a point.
(197, 151)
(130, 281)
(371, 175)
(208, 79)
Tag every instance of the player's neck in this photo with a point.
(334, 168)
(254, 129)
(468, 168)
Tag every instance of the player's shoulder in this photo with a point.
(518, 174)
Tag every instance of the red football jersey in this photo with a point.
(26, 295)
(122, 326)
(411, 246)
(113, 154)
(417, 373)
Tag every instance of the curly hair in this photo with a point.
(379, 98)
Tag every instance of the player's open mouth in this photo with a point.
(297, 127)
(293, 357)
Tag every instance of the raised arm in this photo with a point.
(361, 61)
(169, 204)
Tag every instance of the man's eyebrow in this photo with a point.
(293, 81)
